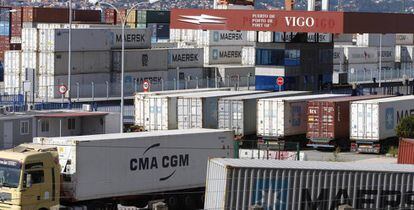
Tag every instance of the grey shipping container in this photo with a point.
(201, 111)
(296, 185)
(186, 58)
(239, 114)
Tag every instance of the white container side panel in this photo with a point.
(357, 55)
(252, 36)
(55, 63)
(156, 114)
(338, 55)
(111, 168)
(404, 53)
(373, 121)
(339, 68)
(189, 113)
(270, 118)
(29, 61)
(12, 83)
(404, 39)
(241, 187)
(265, 36)
(12, 61)
(387, 55)
(223, 55)
(218, 38)
(362, 67)
(387, 65)
(29, 39)
(374, 40)
(249, 56)
(185, 58)
(140, 60)
(231, 116)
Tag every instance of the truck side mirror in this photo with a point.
(28, 180)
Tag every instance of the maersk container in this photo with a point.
(219, 38)
(249, 56)
(140, 60)
(223, 55)
(388, 54)
(404, 39)
(374, 40)
(144, 100)
(376, 120)
(284, 117)
(134, 80)
(201, 110)
(328, 121)
(29, 39)
(109, 165)
(338, 55)
(185, 58)
(86, 62)
(358, 55)
(307, 185)
(238, 113)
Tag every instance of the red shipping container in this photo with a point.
(328, 121)
(122, 14)
(59, 15)
(110, 16)
(406, 151)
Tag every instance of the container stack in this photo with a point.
(361, 58)
(339, 75)
(404, 51)
(12, 68)
(5, 20)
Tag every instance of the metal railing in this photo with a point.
(387, 75)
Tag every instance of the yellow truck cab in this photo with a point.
(29, 177)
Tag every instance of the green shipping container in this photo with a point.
(153, 16)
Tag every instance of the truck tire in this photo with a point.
(190, 202)
(172, 202)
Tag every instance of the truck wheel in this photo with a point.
(172, 202)
(190, 202)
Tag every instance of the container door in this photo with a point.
(361, 120)
(196, 113)
(260, 117)
(223, 114)
(163, 113)
(8, 135)
(354, 120)
(237, 117)
(279, 118)
(375, 122)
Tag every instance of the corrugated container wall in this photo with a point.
(59, 15)
(223, 55)
(185, 58)
(307, 185)
(153, 16)
(141, 60)
(218, 38)
(361, 55)
(29, 61)
(12, 68)
(249, 56)
(374, 40)
(404, 39)
(29, 39)
(375, 120)
(406, 151)
(404, 54)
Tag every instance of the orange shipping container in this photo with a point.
(406, 151)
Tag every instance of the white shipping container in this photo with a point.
(87, 62)
(252, 36)
(223, 55)
(404, 39)
(12, 61)
(29, 39)
(249, 56)
(12, 83)
(361, 68)
(387, 55)
(387, 65)
(232, 72)
(237, 113)
(201, 111)
(282, 117)
(58, 25)
(105, 166)
(404, 53)
(375, 120)
(265, 36)
(270, 155)
(343, 38)
(374, 40)
(29, 61)
(141, 60)
(305, 185)
(356, 55)
(218, 38)
(338, 55)
(185, 58)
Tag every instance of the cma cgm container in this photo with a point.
(406, 151)
(218, 38)
(155, 106)
(307, 185)
(373, 122)
(279, 118)
(238, 113)
(201, 110)
(120, 166)
(223, 55)
(328, 121)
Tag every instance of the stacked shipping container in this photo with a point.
(405, 51)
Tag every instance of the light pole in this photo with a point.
(123, 22)
(380, 61)
(70, 54)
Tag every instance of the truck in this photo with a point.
(373, 123)
(102, 171)
(328, 121)
(284, 120)
(307, 185)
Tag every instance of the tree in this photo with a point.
(405, 128)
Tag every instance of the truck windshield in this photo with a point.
(9, 173)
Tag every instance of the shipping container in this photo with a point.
(189, 75)
(338, 55)
(339, 77)
(141, 60)
(29, 61)
(56, 40)
(12, 68)
(376, 120)
(306, 185)
(140, 96)
(219, 38)
(135, 80)
(388, 54)
(284, 117)
(238, 113)
(404, 53)
(265, 36)
(404, 39)
(374, 40)
(343, 38)
(153, 16)
(185, 58)
(357, 55)
(406, 151)
(87, 62)
(12, 83)
(83, 158)
(201, 111)
(59, 15)
(223, 55)
(271, 155)
(328, 121)
(249, 56)
(29, 39)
